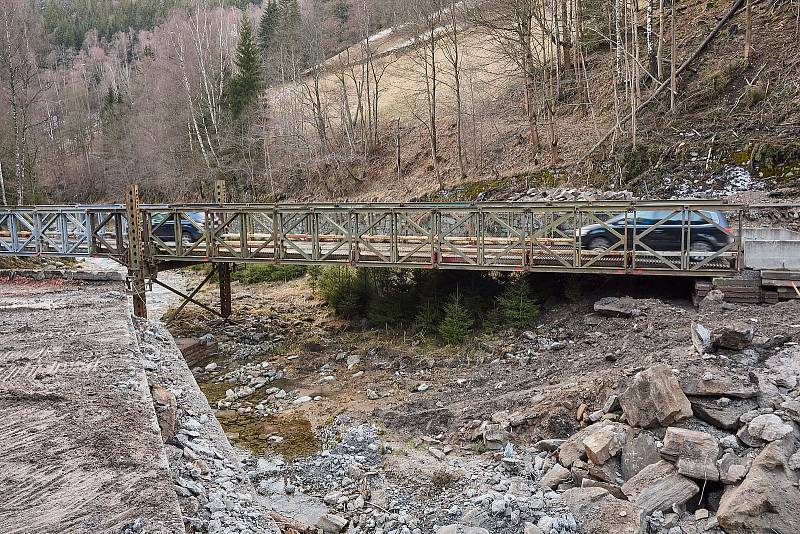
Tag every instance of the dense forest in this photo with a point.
(353, 98)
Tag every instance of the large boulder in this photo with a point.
(723, 415)
(599, 512)
(574, 449)
(735, 336)
(694, 453)
(555, 476)
(768, 500)
(655, 399)
(659, 486)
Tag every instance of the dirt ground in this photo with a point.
(81, 449)
(539, 387)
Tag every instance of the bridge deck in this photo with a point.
(482, 236)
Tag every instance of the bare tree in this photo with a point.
(19, 74)
(453, 54)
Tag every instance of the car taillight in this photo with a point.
(729, 230)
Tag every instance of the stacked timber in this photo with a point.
(786, 284)
(741, 290)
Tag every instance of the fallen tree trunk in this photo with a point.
(737, 4)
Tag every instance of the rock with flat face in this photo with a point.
(719, 386)
(555, 476)
(694, 453)
(736, 336)
(617, 307)
(768, 499)
(331, 524)
(655, 399)
(637, 453)
(721, 415)
(604, 444)
(659, 486)
(701, 339)
(599, 512)
(573, 448)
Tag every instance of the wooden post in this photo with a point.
(135, 251)
(224, 269)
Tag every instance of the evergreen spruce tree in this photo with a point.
(246, 84)
(270, 20)
(457, 321)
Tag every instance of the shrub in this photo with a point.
(457, 321)
(428, 317)
(345, 290)
(515, 305)
(256, 273)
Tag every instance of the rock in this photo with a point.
(573, 448)
(700, 514)
(655, 399)
(658, 487)
(768, 427)
(302, 400)
(794, 461)
(736, 336)
(211, 366)
(461, 529)
(744, 436)
(598, 512)
(768, 499)
(792, 409)
(332, 498)
(603, 444)
(581, 411)
(695, 452)
(353, 360)
(611, 404)
(613, 489)
(701, 338)
(721, 415)
(732, 468)
(712, 301)
(549, 445)
(530, 528)
(331, 524)
(555, 476)
(437, 453)
(166, 407)
(637, 453)
(718, 387)
(617, 307)
(372, 394)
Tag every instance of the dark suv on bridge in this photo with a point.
(668, 230)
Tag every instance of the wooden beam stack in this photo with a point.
(740, 290)
(786, 284)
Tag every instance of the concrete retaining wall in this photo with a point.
(771, 248)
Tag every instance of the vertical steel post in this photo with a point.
(224, 269)
(135, 260)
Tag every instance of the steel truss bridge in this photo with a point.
(501, 236)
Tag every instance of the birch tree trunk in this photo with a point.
(2, 187)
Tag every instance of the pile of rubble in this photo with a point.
(669, 452)
(214, 492)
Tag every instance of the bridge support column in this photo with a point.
(224, 270)
(135, 251)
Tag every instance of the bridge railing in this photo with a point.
(665, 237)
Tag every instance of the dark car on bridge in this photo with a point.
(708, 230)
(163, 226)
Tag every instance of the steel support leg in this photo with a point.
(224, 270)
(135, 251)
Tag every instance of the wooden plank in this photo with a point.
(781, 275)
(723, 283)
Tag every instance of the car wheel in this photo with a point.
(700, 246)
(599, 244)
